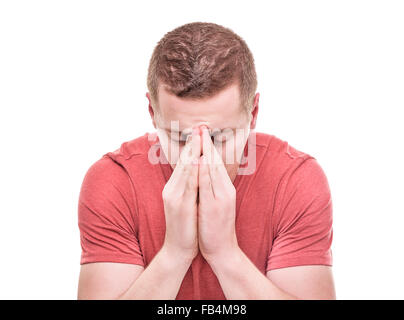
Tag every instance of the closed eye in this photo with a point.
(223, 136)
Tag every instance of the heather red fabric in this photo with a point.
(283, 217)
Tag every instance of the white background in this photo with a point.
(73, 84)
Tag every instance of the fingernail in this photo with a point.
(195, 131)
(195, 161)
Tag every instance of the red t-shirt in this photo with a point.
(283, 212)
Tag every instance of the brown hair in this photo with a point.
(199, 59)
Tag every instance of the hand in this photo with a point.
(217, 204)
(180, 202)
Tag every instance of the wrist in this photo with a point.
(177, 256)
(225, 259)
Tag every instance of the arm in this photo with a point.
(303, 238)
(241, 280)
(160, 280)
(106, 208)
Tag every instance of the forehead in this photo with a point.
(220, 111)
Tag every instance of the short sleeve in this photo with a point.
(303, 222)
(106, 215)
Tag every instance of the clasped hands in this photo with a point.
(200, 202)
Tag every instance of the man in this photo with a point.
(169, 216)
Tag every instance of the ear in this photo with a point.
(254, 112)
(151, 110)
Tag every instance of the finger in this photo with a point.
(206, 144)
(217, 169)
(205, 186)
(209, 149)
(182, 169)
(196, 144)
(192, 179)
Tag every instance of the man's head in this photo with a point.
(202, 73)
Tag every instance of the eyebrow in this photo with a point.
(189, 131)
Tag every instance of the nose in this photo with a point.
(203, 126)
(198, 129)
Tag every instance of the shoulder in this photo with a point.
(112, 171)
(109, 175)
(107, 194)
(290, 168)
(103, 173)
(279, 157)
(134, 147)
(277, 146)
(111, 166)
(105, 185)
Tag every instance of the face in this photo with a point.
(229, 125)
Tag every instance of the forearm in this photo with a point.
(240, 279)
(162, 278)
